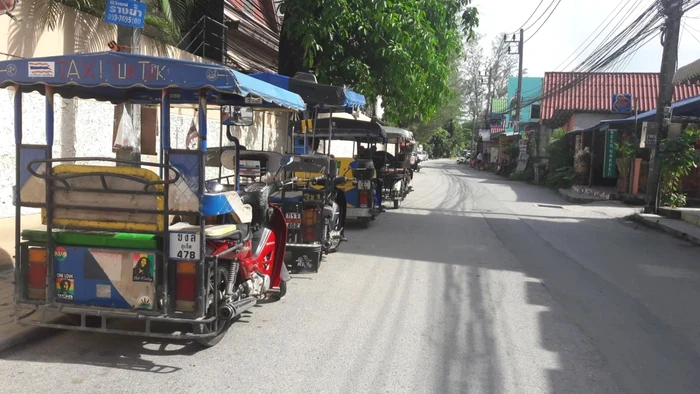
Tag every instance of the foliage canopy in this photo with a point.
(401, 50)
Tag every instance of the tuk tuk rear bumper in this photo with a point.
(359, 212)
(25, 316)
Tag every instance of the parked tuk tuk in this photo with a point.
(142, 241)
(314, 209)
(395, 169)
(361, 189)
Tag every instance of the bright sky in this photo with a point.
(571, 24)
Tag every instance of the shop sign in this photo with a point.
(610, 160)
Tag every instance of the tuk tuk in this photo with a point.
(361, 189)
(395, 169)
(314, 209)
(140, 241)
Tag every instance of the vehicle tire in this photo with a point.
(397, 204)
(283, 288)
(320, 258)
(222, 326)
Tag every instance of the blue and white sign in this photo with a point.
(622, 103)
(129, 13)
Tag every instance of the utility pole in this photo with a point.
(477, 82)
(519, 90)
(673, 11)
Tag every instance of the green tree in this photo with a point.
(165, 19)
(440, 143)
(401, 50)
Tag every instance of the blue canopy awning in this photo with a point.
(316, 94)
(118, 77)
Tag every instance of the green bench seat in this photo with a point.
(101, 239)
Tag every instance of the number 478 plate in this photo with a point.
(185, 246)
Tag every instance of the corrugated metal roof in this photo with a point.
(688, 73)
(583, 92)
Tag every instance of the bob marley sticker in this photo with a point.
(144, 303)
(144, 266)
(65, 286)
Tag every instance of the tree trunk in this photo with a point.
(291, 54)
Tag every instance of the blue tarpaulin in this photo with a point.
(316, 94)
(119, 77)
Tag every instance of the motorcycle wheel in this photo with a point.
(222, 326)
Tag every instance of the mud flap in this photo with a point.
(284, 274)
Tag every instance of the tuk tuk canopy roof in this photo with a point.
(118, 77)
(316, 94)
(345, 129)
(397, 134)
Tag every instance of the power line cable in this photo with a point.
(543, 23)
(685, 27)
(540, 17)
(597, 35)
(530, 17)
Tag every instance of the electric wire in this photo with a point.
(543, 23)
(530, 17)
(541, 15)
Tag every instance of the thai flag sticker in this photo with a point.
(41, 69)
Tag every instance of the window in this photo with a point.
(535, 111)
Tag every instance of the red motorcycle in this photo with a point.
(247, 261)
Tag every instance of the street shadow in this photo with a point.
(111, 350)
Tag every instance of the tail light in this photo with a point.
(364, 198)
(186, 290)
(309, 223)
(37, 274)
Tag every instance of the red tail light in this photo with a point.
(185, 290)
(364, 198)
(309, 222)
(37, 274)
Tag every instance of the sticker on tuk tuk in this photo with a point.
(144, 267)
(65, 286)
(60, 253)
(144, 303)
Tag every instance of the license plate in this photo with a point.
(185, 246)
(364, 185)
(313, 197)
(293, 220)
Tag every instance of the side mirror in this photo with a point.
(236, 116)
(354, 164)
(286, 160)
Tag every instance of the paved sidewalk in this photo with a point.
(12, 334)
(675, 227)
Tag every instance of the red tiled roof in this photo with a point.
(594, 91)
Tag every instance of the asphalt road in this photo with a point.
(469, 287)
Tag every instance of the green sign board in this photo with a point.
(610, 159)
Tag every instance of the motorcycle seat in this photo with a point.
(227, 231)
(216, 231)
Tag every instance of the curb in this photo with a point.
(577, 200)
(658, 226)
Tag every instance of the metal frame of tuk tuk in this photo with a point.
(397, 171)
(357, 135)
(176, 164)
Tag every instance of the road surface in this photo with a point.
(470, 287)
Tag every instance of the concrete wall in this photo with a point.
(84, 127)
(583, 121)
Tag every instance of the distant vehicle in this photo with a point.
(461, 160)
(422, 156)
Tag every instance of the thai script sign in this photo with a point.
(610, 160)
(126, 13)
